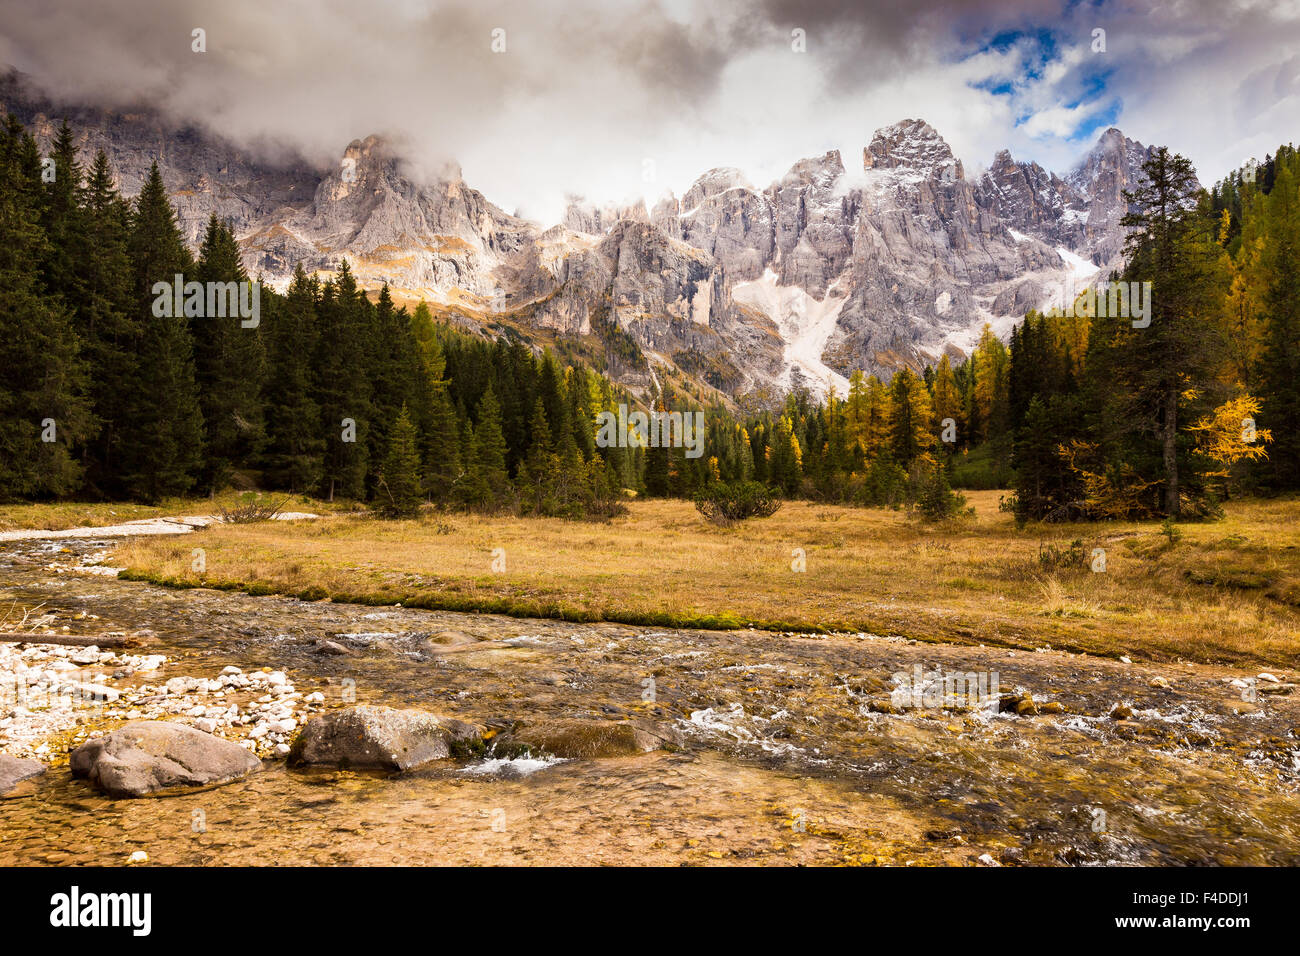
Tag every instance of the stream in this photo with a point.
(795, 749)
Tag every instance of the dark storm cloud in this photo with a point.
(589, 93)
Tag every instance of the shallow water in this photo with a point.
(784, 760)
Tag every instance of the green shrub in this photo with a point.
(883, 484)
(929, 496)
(1052, 558)
(725, 503)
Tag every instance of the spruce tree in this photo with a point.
(293, 452)
(162, 449)
(491, 481)
(947, 404)
(538, 472)
(911, 420)
(393, 367)
(400, 486)
(43, 410)
(229, 361)
(340, 388)
(1142, 377)
(785, 462)
(109, 323)
(1280, 361)
(61, 220)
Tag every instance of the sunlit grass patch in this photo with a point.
(982, 580)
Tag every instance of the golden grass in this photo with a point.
(1226, 591)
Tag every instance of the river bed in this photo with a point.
(795, 748)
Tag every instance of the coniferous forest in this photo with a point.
(336, 394)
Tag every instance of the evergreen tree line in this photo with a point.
(333, 394)
(329, 393)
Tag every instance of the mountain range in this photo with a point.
(746, 290)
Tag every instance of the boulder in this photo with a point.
(593, 739)
(332, 648)
(145, 757)
(1026, 707)
(14, 770)
(382, 738)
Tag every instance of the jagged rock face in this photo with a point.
(727, 218)
(926, 257)
(654, 276)
(670, 297)
(437, 235)
(913, 145)
(814, 221)
(1112, 166)
(666, 215)
(893, 266)
(580, 216)
(1026, 197)
(204, 175)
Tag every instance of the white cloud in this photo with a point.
(588, 90)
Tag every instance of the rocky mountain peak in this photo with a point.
(583, 216)
(1112, 140)
(713, 183)
(1112, 166)
(1114, 154)
(810, 273)
(821, 171)
(912, 144)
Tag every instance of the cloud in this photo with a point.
(585, 92)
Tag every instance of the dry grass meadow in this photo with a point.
(1226, 591)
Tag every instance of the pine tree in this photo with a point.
(537, 474)
(294, 447)
(163, 447)
(61, 221)
(109, 324)
(440, 451)
(657, 471)
(490, 483)
(229, 361)
(400, 485)
(1280, 360)
(42, 378)
(947, 402)
(394, 370)
(1143, 376)
(911, 432)
(990, 363)
(340, 388)
(785, 459)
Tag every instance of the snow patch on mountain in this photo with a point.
(1080, 269)
(966, 337)
(806, 325)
